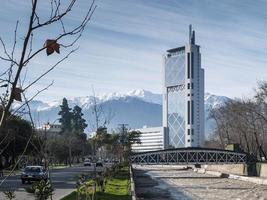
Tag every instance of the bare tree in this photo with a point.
(17, 59)
(243, 121)
(100, 117)
(12, 79)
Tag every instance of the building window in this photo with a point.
(188, 140)
(188, 95)
(192, 65)
(188, 85)
(192, 86)
(188, 112)
(192, 131)
(192, 112)
(188, 65)
(192, 140)
(188, 131)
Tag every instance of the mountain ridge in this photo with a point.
(137, 108)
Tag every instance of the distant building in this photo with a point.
(50, 129)
(152, 139)
(183, 95)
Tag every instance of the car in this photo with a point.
(99, 166)
(87, 163)
(33, 173)
(108, 163)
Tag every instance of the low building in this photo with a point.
(152, 139)
(50, 129)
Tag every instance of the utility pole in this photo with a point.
(123, 136)
(123, 131)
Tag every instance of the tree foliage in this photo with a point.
(78, 122)
(72, 125)
(65, 116)
(243, 121)
(13, 139)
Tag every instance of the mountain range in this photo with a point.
(136, 108)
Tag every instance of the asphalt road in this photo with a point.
(64, 182)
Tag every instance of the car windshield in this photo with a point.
(99, 165)
(32, 169)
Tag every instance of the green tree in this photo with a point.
(13, 139)
(78, 122)
(73, 125)
(66, 116)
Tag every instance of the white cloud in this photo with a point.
(123, 45)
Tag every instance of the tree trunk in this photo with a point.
(69, 155)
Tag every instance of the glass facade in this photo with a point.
(176, 120)
(175, 69)
(174, 81)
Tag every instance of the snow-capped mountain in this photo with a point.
(136, 108)
(213, 101)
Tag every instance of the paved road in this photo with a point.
(64, 181)
(170, 183)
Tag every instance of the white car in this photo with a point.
(87, 163)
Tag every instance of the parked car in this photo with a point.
(33, 173)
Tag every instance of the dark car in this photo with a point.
(33, 173)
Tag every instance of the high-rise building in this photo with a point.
(183, 96)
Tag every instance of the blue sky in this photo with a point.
(122, 47)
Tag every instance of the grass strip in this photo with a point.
(116, 188)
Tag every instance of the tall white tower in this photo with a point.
(183, 96)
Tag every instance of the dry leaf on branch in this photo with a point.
(51, 46)
(17, 94)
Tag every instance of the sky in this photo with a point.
(123, 45)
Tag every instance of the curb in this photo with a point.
(255, 180)
(132, 185)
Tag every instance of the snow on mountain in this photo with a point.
(141, 94)
(213, 101)
(136, 108)
(87, 101)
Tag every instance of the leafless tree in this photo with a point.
(243, 121)
(12, 78)
(17, 59)
(100, 117)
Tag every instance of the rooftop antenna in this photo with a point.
(190, 33)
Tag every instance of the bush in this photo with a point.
(42, 190)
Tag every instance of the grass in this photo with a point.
(116, 188)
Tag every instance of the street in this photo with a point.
(64, 181)
(173, 183)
